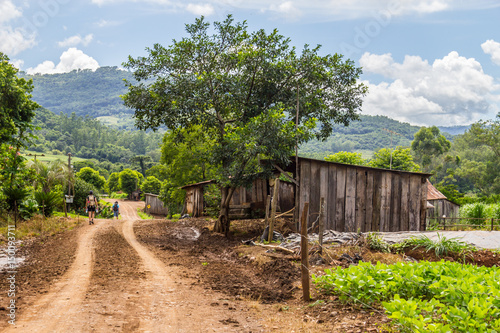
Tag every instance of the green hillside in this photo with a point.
(84, 92)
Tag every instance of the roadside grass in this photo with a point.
(115, 195)
(143, 215)
(37, 226)
(442, 247)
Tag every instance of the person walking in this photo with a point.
(92, 206)
(116, 209)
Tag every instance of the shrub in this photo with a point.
(475, 211)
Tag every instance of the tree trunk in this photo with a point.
(223, 222)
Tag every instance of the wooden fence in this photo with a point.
(447, 223)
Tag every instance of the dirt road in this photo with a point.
(115, 284)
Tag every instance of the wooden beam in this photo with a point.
(304, 253)
(286, 175)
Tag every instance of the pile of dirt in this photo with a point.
(213, 259)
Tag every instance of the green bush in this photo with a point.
(47, 202)
(29, 207)
(475, 211)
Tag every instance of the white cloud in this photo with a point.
(18, 63)
(76, 40)
(200, 9)
(287, 9)
(70, 60)
(12, 39)
(105, 23)
(493, 49)
(451, 91)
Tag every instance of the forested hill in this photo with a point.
(84, 92)
(97, 95)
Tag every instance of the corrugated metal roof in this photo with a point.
(433, 193)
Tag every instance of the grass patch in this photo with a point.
(37, 226)
(143, 215)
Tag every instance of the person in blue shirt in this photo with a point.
(116, 209)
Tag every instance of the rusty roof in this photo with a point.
(433, 193)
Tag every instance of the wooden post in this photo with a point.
(268, 203)
(65, 210)
(321, 223)
(273, 209)
(492, 224)
(304, 252)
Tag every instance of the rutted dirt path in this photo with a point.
(116, 284)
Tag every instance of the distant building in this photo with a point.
(439, 205)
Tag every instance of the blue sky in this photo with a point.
(426, 62)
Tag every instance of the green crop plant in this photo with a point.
(422, 297)
(376, 243)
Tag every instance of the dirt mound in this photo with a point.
(213, 259)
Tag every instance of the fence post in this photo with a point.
(304, 253)
(273, 208)
(491, 224)
(444, 223)
(321, 223)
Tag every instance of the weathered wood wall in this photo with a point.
(362, 198)
(442, 207)
(154, 205)
(194, 201)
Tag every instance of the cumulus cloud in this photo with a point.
(453, 90)
(200, 9)
(493, 49)
(70, 60)
(12, 39)
(76, 40)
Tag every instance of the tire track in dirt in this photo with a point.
(160, 288)
(54, 311)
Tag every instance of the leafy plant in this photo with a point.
(422, 297)
(47, 202)
(376, 243)
(476, 211)
(28, 208)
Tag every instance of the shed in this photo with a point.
(440, 204)
(357, 198)
(154, 205)
(360, 198)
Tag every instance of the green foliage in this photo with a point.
(113, 183)
(143, 215)
(242, 89)
(346, 158)
(442, 246)
(48, 201)
(105, 210)
(128, 181)
(91, 176)
(376, 243)
(16, 107)
(82, 189)
(212, 198)
(151, 185)
(14, 196)
(429, 142)
(94, 93)
(422, 297)
(476, 210)
(401, 160)
(28, 208)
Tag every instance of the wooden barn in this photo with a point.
(154, 205)
(439, 205)
(357, 198)
(360, 198)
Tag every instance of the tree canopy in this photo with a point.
(16, 107)
(429, 142)
(243, 88)
(395, 159)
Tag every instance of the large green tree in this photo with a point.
(428, 143)
(16, 107)
(394, 159)
(243, 89)
(346, 158)
(91, 176)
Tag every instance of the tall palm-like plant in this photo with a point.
(50, 174)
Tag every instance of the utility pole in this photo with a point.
(297, 169)
(35, 155)
(392, 132)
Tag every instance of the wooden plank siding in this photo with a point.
(359, 198)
